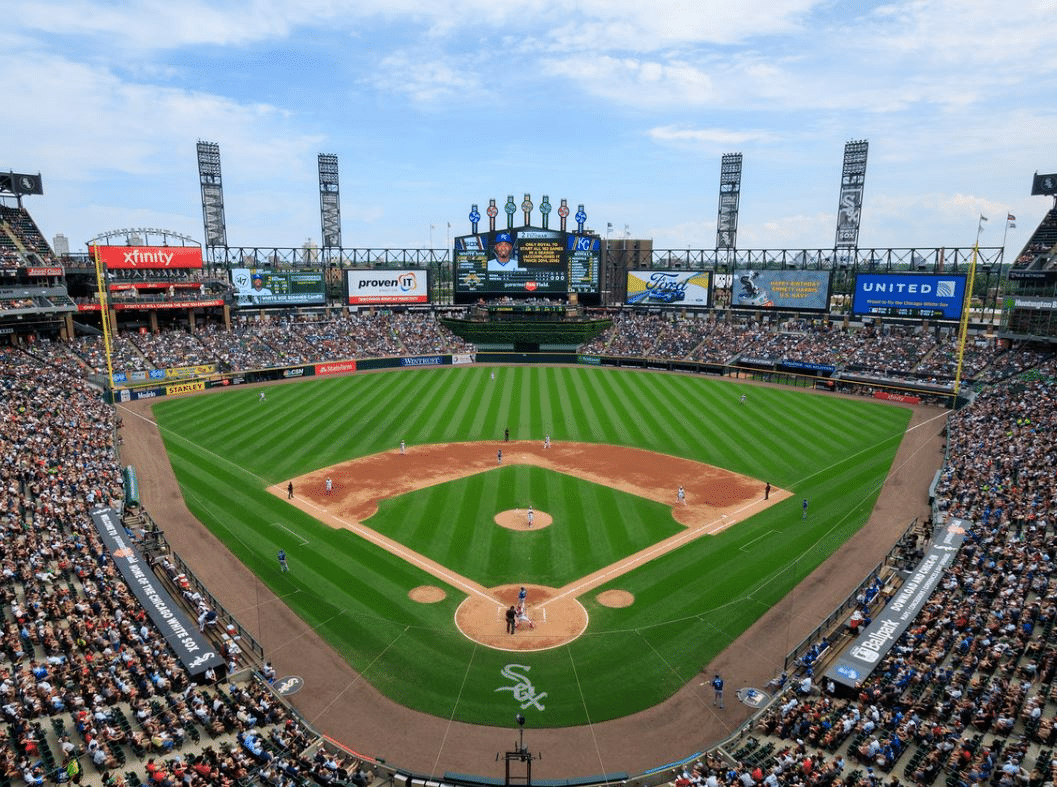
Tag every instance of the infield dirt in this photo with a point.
(340, 703)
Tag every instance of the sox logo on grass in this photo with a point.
(524, 691)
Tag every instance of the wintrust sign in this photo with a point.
(138, 257)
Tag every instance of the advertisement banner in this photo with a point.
(825, 368)
(123, 306)
(137, 257)
(272, 288)
(897, 397)
(784, 289)
(387, 287)
(857, 662)
(1043, 278)
(339, 367)
(192, 648)
(683, 288)
(939, 296)
(188, 372)
(182, 388)
(425, 360)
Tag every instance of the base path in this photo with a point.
(687, 722)
(345, 494)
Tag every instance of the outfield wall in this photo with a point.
(782, 372)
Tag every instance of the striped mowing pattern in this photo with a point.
(226, 447)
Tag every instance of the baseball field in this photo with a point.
(390, 565)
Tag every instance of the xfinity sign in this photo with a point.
(135, 257)
(937, 296)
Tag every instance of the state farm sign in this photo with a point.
(133, 257)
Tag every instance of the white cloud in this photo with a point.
(709, 138)
(422, 80)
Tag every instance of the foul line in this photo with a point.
(409, 555)
(744, 547)
(623, 566)
(304, 541)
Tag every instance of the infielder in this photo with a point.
(403, 447)
(547, 441)
(328, 486)
(681, 494)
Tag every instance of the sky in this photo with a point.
(622, 106)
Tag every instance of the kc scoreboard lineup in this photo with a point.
(527, 261)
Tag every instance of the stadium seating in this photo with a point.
(967, 695)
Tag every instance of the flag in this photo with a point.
(1010, 217)
(983, 217)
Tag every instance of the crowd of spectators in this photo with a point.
(968, 694)
(88, 685)
(20, 234)
(886, 353)
(891, 352)
(256, 343)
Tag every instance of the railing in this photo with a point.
(156, 546)
(830, 623)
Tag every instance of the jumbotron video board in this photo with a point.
(781, 289)
(272, 288)
(526, 261)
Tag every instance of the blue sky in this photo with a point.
(623, 106)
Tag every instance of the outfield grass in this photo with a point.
(690, 604)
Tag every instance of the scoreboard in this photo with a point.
(525, 261)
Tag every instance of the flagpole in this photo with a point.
(963, 329)
(1010, 223)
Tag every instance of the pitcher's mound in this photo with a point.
(518, 519)
(615, 598)
(426, 594)
(556, 621)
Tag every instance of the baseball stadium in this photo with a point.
(537, 508)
